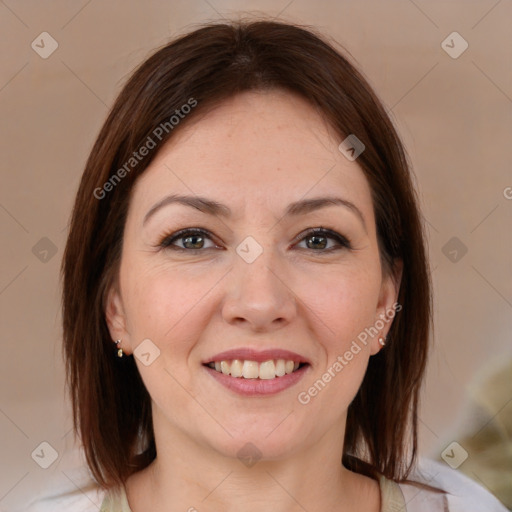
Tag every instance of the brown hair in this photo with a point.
(111, 407)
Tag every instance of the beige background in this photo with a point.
(455, 117)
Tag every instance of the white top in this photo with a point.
(463, 494)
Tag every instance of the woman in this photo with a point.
(246, 301)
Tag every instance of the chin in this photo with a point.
(253, 440)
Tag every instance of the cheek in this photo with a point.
(162, 303)
(166, 305)
(344, 307)
(344, 300)
(344, 304)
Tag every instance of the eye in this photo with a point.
(193, 240)
(319, 240)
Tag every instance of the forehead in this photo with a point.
(258, 149)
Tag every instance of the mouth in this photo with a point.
(254, 373)
(249, 369)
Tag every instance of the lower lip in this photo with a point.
(258, 387)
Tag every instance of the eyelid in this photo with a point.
(342, 241)
(170, 238)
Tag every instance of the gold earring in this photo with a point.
(119, 349)
(382, 340)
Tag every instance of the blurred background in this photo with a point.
(443, 69)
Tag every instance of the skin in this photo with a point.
(256, 153)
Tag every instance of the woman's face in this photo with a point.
(254, 293)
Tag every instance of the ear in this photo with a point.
(387, 306)
(116, 318)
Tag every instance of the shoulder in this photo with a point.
(115, 501)
(65, 491)
(78, 492)
(460, 492)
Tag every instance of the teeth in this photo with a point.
(236, 368)
(267, 370)
(250, 370)
(253, 370)
(280, 367)
(225, 367)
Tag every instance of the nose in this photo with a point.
(259, 296)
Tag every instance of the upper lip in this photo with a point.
(250, 354)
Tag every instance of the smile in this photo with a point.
(247, 369)
(252, 379)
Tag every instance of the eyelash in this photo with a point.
(343, 242)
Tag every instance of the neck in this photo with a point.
(187, 476)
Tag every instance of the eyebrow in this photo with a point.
(212, 207)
